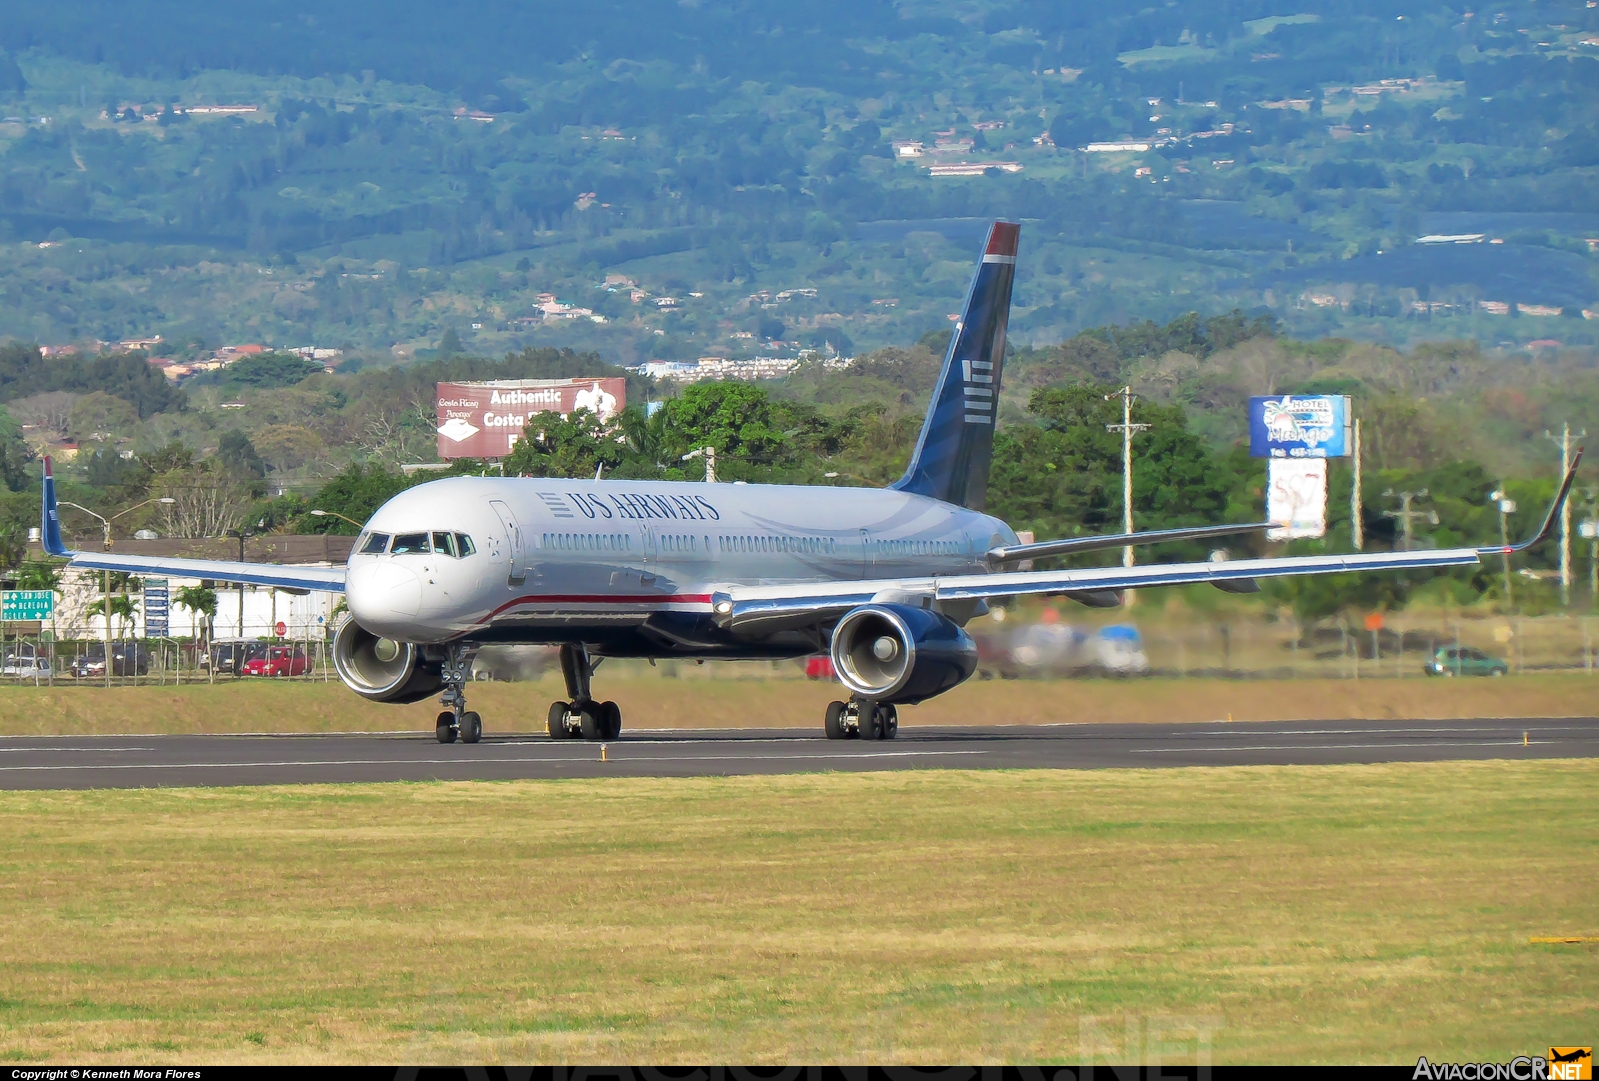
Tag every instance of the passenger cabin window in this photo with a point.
(409, 544)
(375, 544)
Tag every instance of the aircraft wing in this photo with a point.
(756, 609)
(281, 575)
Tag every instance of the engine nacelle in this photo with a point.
(382, 669)
(896, 653)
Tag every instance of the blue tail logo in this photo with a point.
(956, 446)
(50, 522)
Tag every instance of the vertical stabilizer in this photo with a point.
(957, 441)
(50, 521)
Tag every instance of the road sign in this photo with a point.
(1374, 621)
(282, 628)
(27, 605)
(157, 608)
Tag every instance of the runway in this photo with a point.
(67, 762)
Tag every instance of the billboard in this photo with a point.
(1300, 426)
(484, 420)
(1296, 498)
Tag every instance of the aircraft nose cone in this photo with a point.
(381, 594)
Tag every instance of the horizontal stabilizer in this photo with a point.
(287, 576)
(279, 575)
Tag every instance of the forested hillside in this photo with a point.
(409, 169)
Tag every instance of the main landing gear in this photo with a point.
(861, 718)
(582, 716)
(456, 722)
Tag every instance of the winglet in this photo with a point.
(1548, 525)
(50, 521)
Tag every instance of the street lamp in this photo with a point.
(105, 524)
(241, 534)
(320, 513)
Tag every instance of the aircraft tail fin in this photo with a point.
(50, 520)
(956, 445)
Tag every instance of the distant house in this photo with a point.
(221, 110)
(1538, 309)
(1494, 307)
(1115, 148)
(1451, 238)
(908, 149)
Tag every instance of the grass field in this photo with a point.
(1354, 913)
(653, 702)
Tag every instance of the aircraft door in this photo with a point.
(514, 545)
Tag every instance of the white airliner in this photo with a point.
(884, 579)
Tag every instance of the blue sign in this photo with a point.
(157, 608)
(1300, 426)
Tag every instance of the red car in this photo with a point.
(279, 661)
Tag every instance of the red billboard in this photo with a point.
(484, 420)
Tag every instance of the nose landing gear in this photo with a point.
(456, 721)
(582, 716)
(861, 718)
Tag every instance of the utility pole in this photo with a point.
(1128, 430)
(1507, 506)
(709, 454)
(1406, 516)
(1357, 527)
(1565, 511)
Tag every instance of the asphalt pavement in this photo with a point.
(40, 762)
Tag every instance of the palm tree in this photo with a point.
(200, 602)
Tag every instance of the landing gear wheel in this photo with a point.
(471, 727)
(888, 722)
(834, 724)
(870, 726)
(610, 720)
(557, 720)
(588, 715)
(444, 731)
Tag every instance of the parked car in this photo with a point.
(129, 657)
(278, 661)
(1464, 661)
(229, 656)
(26, 666)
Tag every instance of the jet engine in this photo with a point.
(896, 653)
(383, 669)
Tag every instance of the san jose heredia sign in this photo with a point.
(26, 605)
(485, 420)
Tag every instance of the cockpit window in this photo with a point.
(409, 544)
(375, 544)
(444, 543)
(463, 545)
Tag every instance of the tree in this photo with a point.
(575, 445)
(1062, 475)
(200, 602)
(98, 415)
(238, 456)
(207, 499)
(450, 344)
(356, 493)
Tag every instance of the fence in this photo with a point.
(40, 660)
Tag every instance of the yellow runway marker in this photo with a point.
(1572, 938)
